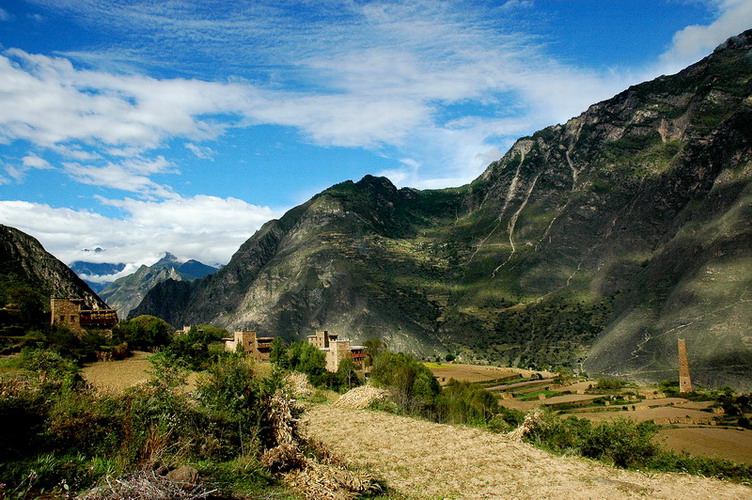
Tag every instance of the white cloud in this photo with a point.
(693, 42)
(201, 152)
(33, 161)
(46, 101)
(29, 162)
(377, 75)
(4, 15)
(206, 228)
(370, 75)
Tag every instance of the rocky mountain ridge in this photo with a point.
(593, 244)
(127, 292)
(25, 262)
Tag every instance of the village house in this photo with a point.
(70, 313)
(337, 349)
(334, 348)
(247, 340)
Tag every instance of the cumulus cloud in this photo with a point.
(206, 228)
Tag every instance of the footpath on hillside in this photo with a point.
(420, 459)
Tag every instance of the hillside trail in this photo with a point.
(420, 459)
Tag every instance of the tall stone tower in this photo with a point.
(685, 383)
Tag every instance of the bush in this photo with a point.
(414, 386)
(610, 384)
(144, 332)
(622, 442)
(192, 349)
(69, 435)
(465, 403)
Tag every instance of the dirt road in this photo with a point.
(425, 460)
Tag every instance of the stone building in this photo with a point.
(337, 349)
(247, 340)
(69, 313)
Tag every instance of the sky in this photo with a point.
(139, 127)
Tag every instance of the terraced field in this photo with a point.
(420, 459)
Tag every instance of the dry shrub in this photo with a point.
(146, 485)
(318, 475)
(533, 421)
(319, 480)
(361, 397)
(283, 458)
(298, 385)
(284, 413)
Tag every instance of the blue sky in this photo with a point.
(141, 127)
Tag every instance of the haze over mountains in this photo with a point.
(594, 243)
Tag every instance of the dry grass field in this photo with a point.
(661, 415)
(118, 375)
(420, 459)
(476, 373)
(724, 443)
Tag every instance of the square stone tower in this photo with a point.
(685, 382)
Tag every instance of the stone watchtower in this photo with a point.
(685, 383)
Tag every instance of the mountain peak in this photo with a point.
(168, 260)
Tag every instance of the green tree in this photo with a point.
(30, 304)
(144, 332)
(278, 353)
(414, 386)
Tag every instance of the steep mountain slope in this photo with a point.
(23, 261)
(592, 243)
(127, 292)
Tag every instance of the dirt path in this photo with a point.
(425, 460)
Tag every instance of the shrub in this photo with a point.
(144, 332)
(414, 386)
(610, 384)
(462, 402)
(622, 441)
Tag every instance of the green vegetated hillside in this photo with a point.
(594, 243)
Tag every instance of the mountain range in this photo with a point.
(594, 244)
(126, 292)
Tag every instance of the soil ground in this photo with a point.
(420, 459)
(724, 443)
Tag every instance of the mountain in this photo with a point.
(95, 269)
(127, 292)
(593, 244)
(23, 261)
